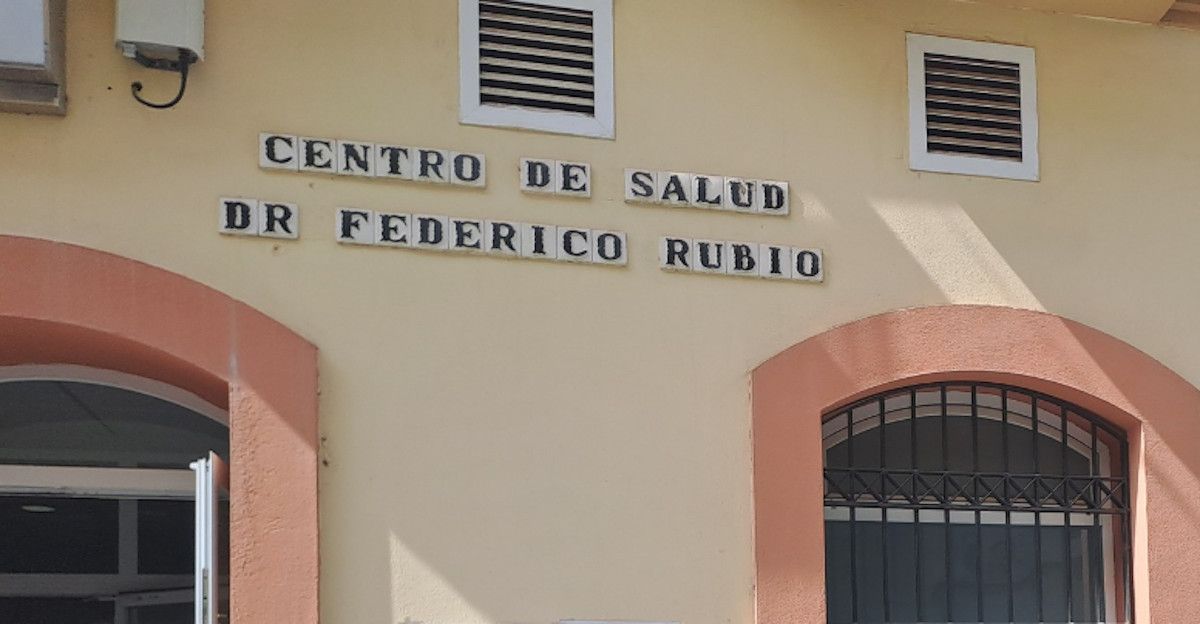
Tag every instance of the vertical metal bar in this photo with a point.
(1096, 540)
(883, 512)
(1008, 504)
(853, 499)
(853, 570)
(1037, 515)
(1066, 517)
(1125, 528)
(916, 511)
(975, 480)
(946, 492)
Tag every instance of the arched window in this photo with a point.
(97, 502)
(974, 502)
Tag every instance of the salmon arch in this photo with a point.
(1159, 410)
(65, 304)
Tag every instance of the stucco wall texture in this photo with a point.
(525, 442)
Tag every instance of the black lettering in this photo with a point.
(673, 190)
(237, 215)
(610, 247)
(741, 194)
(573, 180)
(539, 240)
(467, 167)
(356, 157)
(743, 258)
(537, 174)
(397, 158)
(773, 197)
(643, 183)
(467, 234)
(277, 215)
(569, 248)
(273, 150)
(677, 253)
(318, 154)
(704, 185)
(430, 231)
(709, 254)
(502, 236)
(352, 220)
(430, 161)
(393, 228)
(774, 262)
(808, 263)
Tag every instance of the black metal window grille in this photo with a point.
(975, 502)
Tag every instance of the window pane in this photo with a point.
(166, 536)
(933, 570)
(22, 32)
(902, 557)
(994, 552)
(868, 549)
(58, 535)
(964, 562)
(55, 611)
(837, 572)
(81, 424)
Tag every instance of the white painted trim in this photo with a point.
(471, 111)
(920, 159)
(88, 482)
(114, 379)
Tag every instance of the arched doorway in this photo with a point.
(69, 305)
(97, 498)
(792, 392)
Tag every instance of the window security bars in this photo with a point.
(975, 502)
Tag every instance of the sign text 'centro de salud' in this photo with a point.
(242, 216)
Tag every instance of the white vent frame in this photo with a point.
(920, 159)
(473, 112)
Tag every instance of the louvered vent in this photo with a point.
(536, 57)
(973, 107)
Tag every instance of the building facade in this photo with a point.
(769, 311)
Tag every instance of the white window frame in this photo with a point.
(472, 111)
(919, 157)
(26, 88)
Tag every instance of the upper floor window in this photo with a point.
(537, 64)
(32, 56)
(972, 108)
(972, 502)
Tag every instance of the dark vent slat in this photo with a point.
(969, 94)
(974, 66)
(973, 79)
(977, 150)
(491, 68)
(535, 29)
(534, 44)
(530, 6)
(533, 11)
(539, 104)
(533, 58)
(973, 107)
(973, 122)
(941, 133)
(535, 88)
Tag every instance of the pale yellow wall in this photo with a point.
(514, 441)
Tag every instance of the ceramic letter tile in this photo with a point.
(278, 151)
(641, 186)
